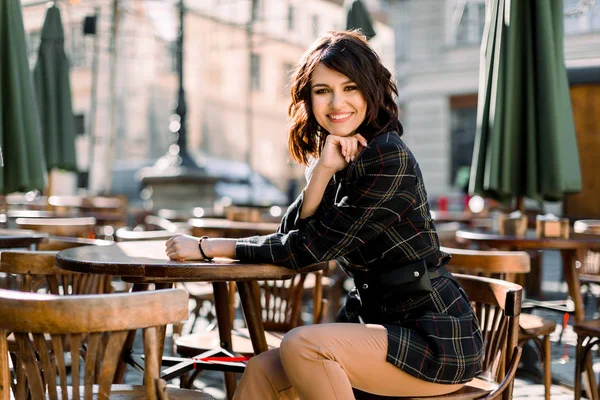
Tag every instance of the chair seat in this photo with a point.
(475, 389)
(191, 345)
(134, 392)
(588, 328)
(533, 325)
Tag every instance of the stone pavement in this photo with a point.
(528, 383)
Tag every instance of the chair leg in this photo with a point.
(578, 363)
(546, 356)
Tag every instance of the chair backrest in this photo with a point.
(75, 226)
(32, 271)
(497, 306)
(102, 322)
(281, 303)
(504, 265)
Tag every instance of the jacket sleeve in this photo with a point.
(291, 220)
(380, 189)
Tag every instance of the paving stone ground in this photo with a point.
(528, 383)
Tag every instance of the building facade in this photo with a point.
(236, 87)
(437, 67)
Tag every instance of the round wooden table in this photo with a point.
(145, 262)
(567, 247)
(218, 227)
(14, 238)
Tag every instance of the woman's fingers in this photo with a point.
(361, 139)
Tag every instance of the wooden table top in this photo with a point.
(146, 261)
(530, 241)
(13, 238)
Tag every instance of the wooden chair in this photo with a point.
(102, 322)
(281, 303)
(75, 227)
(32, 271)
(508, 265)
(497, 305)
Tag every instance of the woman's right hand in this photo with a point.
(338, 151)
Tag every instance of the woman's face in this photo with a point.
(337, 103)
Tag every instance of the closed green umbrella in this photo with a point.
(525, 145)
(53, 89)
(357, 17)
(24, 166)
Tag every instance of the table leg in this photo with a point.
(128, 347)
(224, 322)
(569, 259)
(252, 310)
(162, 330)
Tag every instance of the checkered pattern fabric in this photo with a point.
(374, 214)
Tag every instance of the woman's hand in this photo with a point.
(183, 247)
(338, 151)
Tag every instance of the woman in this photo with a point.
(366, 207)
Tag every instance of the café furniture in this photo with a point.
(12, 238)
(92, 327)
(145, 262)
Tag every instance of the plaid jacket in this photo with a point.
(374, 214)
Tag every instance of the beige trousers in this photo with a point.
(324, 362)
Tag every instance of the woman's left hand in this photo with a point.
(183, 247)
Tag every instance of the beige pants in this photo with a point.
(324, 362)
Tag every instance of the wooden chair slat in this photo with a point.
(5, 378)
(27, 356)
(109, 365)
(91, 355)
(76, 340)
(53, 284)
(59, 354)
(22, 389)
(48, 370)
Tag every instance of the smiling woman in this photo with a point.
(364, 206)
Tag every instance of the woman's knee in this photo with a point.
(299, 343)
(263, 364)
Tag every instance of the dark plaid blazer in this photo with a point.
(374, 214)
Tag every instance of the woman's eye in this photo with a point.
(349, 88)
(321, 91)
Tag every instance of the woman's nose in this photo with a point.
(336, 101)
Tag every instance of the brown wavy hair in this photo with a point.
(348, 53)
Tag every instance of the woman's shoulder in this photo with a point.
(387, 145)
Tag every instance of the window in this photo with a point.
(254, 72)
(290, 18)
(472, 21)
(315, 26)
(581, 16)
(463, 123)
